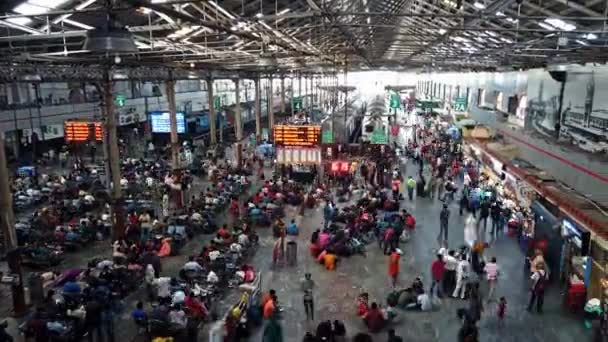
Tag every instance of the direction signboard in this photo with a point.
(460, 104)
(379, 137)
(120, 100)
(395, 100)
(327, 137)
(297, 103)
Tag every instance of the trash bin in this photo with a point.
(292, 253)
(36, 287)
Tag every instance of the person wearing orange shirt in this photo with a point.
(330, 261)
(393, 265)
(267, 296)
(269, 307)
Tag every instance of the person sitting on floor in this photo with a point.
(330, 260)
(292, 228)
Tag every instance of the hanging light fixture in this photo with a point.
(110, 37)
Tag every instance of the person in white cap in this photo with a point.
(393, 265)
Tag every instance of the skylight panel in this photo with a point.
(590, 36)
(33, 7)
(19, 21)
(560, 24)
(48, 3)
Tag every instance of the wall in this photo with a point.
(56, 114)
(576, 158)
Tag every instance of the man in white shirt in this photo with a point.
(462, 276)
(162, 287)
(425, 302)
(178, 317)
(192, 266)
(196, 217)
(449, 278)
(243, 239)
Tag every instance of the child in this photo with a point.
(502, 307)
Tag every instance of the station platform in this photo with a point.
(336, 291)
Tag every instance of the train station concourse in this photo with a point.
(290, 170)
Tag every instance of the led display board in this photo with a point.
(161, 122)
(294, 135)
(75, 131)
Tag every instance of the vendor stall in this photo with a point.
(575, 263)
(598, 287)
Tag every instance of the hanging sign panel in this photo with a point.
(327, 137)
(298, 155)
(80, 131)
(379, 137)
(460, 104)
(294, 135)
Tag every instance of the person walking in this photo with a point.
(92, 319)
(392, 337)
(273, 331)
(491, 269)
(307, 286)
(393, 265)
(449, 278)
(389, 240)
(495, 214)
(433, 187)
(537, 292)
(437, 271)
(462, 276)
(444, 216)
(411, 185)
(463, 203)
(502, 309)
(484, 213)
(107, 322)
(475, 304)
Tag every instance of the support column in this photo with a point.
(170, 89)
(304, 93)
(282, 94)
(258, 110)
(7, 222)
(269, 102)
(113, 159)
(300, 93)
(237, 123)
(212, 131)
(291, 89)
(311, 95)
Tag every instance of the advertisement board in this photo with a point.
(161, 122)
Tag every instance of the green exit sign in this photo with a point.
(120, 100)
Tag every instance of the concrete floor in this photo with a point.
(336, 291)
